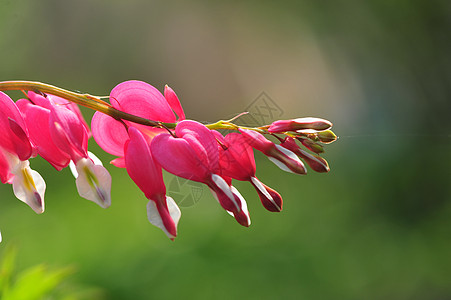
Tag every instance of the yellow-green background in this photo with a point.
(378, 226)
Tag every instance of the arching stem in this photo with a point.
(96, 103)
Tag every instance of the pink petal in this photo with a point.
(55, 100)
(270, 198)
(147, 175)
(165, 214)
(20, 140)
(174, 102)
(202, 140)
(118, 162)
(68, 133)
(5, 172)
(141, 166)
(177, 156)
(223, 193)
(257, 140)
(110, 134)
(50, 100)
(286, 160)
(300, 124)
(37, 120)
(280, 156)
(9, 108)
(40, 100)
(13, 135)
(243, 216)
(237, 161)
(218, 136)
(141, 99)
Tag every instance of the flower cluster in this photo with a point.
(148, 132)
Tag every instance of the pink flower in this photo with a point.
(299, 124)
(60, 135)
(162, 211)
(193, 154)
(130, 142)
(15, 150)
(282, 157)
(37, 119)
(237, 161)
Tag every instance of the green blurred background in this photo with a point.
(378, 226)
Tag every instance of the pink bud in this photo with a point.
(299, 124)
(270, 199)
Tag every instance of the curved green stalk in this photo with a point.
(94, 102)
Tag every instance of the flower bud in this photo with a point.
(299, 124)
(326, 136)
(312, 146)
(270, 198)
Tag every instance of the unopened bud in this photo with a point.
(299, 124)
(312, 146)
(326, 136)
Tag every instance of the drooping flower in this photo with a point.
(15, 150)
(130, 142)
(193, 154)
(37, 119)
(162, 211)
(60, 136)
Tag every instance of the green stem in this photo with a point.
(86, 100)
(94, 102)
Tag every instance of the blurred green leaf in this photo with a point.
(36, 282)
(40, 282)
(7, 267)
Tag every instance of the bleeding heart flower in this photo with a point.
(162, 211)
(193, 154)
(60, 135)
(15, 150)
(129, 142)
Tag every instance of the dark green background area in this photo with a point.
(378, 226)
